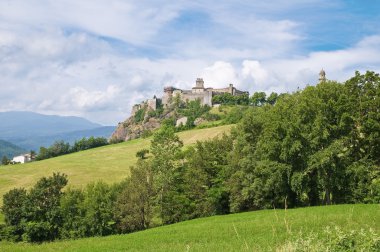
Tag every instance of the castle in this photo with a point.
(199, 92)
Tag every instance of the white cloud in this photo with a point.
(220, 74)
(85, 99)
(98, 58)
(252, 69)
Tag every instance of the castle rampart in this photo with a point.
(198, 92)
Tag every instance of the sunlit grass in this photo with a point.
(252, 231)
(108, 163)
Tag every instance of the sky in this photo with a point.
(96, 58)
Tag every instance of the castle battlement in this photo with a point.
(198, 92)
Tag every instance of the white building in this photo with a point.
(22, 159)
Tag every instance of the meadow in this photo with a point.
(265, 230)
(108, 163)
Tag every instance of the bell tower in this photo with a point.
(322, 76)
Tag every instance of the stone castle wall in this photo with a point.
(198, 92)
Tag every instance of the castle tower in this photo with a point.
(322, 76)
(199, 86)
(168, 94)
(199, 83)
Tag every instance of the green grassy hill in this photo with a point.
(109, 163)
(266, 230)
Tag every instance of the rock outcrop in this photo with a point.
(130, 129)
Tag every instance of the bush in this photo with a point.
(335, 239)
(139, 115)
(146, 133)
(235, 115)
(211, 117)
(37, 232)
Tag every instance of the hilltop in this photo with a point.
(183, 108)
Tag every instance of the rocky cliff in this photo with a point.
(142, 122)
(130, 129)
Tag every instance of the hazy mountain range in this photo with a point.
(9, 150)
(30, 131)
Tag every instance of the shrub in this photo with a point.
(334, 239)
(139, 115)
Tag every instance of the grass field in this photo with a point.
(252, 231)
(109, 163)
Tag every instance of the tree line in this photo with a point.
(59, 148)
(257, 99)
(317, 146)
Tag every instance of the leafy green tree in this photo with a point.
(42, 208)
(139, 115)
(43, 153)
(99, 199)
(258, 98)
(363, 91)
(272, 98)
(73, 213)
(142, 153)
(229, 99)
(14, 214)
(58, 148)
(177, 101)
(133, 207)
(5, 161)
(205, 176)
(166, 150)
(235, 114)
(91, 142)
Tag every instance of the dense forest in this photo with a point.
(317, 146)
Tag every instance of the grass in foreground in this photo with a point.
(108, 163)
(266, 230)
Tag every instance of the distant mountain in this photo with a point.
(26, 124)
(31, 130)
(9, 150)
(35, 142)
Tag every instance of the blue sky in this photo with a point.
(97, 58)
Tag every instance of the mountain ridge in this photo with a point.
(9, 150)
(31, 130)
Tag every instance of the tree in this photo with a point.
(35, 215)
(272, 98)
(166, 150)
(42, 208)
(258, 98)
(13, 203)
(73, 214)
(5, 160)
(32, 155)
(99, 199)
(133, 207)
(177, 101)
(142, 153)
(229, 99)
(205, 176)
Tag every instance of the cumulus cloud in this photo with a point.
(124, 20)
(220, 74)
(252, 69)
(98, 58)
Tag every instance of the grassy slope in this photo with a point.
(252, 231)
(109, 163)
